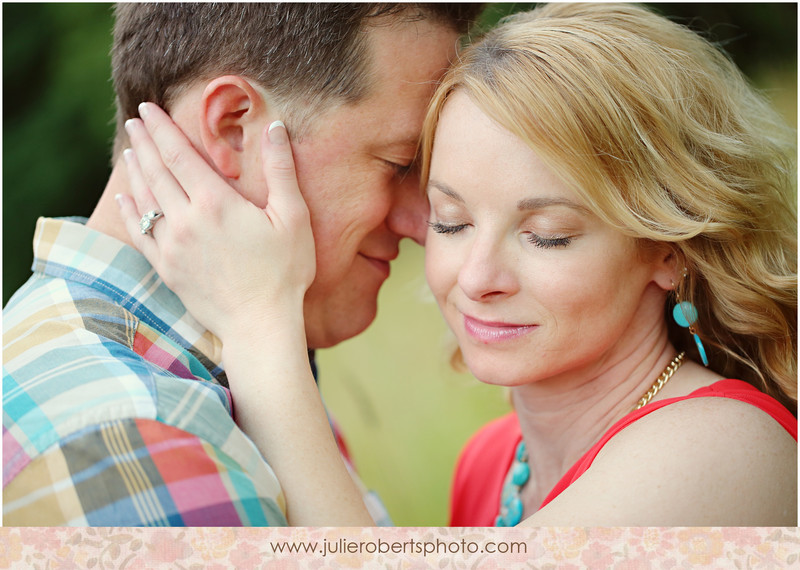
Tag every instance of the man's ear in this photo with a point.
(231, 122)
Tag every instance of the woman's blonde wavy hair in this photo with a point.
(663, 138)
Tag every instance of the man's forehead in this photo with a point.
(403, 141)
(396, 120)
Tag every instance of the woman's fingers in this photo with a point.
(284, 199)
(150, 178)
(286, 207)
(131, 217)
(145, 201)
(225, 257)
(176, 156)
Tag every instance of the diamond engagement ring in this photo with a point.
(148, 221)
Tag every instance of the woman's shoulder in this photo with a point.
(727, 409)
(728, 455)
(729, 420)
(723, 455)
(726, 399)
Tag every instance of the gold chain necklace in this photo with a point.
(663, 379)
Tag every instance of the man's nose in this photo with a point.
(408, 216)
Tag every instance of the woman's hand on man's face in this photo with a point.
(232, 263)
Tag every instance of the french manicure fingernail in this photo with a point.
(118, 198)
(277, 133)
(127, 154)
(129, 125)
(143, 110)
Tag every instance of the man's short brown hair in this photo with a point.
(306, 55)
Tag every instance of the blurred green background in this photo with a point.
(405, 413)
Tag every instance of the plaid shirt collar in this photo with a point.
(65, 248)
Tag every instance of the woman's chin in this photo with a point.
(497, 375)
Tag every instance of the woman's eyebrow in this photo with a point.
(544, 202)
(523, 205)
(446, 190)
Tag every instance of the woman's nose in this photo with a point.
(488, 271)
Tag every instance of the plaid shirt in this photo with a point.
(116, 410)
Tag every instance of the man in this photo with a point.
(116, 408)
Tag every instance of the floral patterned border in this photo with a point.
(287, 548)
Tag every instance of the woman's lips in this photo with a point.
(492, 332)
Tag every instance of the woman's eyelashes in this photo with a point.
(537, 240)
(546, 243)
(441, 228)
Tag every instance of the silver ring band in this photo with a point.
(148, 221)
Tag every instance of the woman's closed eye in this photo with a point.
(548, 242)
(537, 240)
(442, 228)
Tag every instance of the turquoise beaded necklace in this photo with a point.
(510, 501)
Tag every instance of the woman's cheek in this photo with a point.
(441, 269)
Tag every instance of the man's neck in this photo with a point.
(106, 217)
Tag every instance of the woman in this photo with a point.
(589, 168)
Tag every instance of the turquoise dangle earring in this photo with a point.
(685, 314)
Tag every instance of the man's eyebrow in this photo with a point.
(446, 190)
(410, 141)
